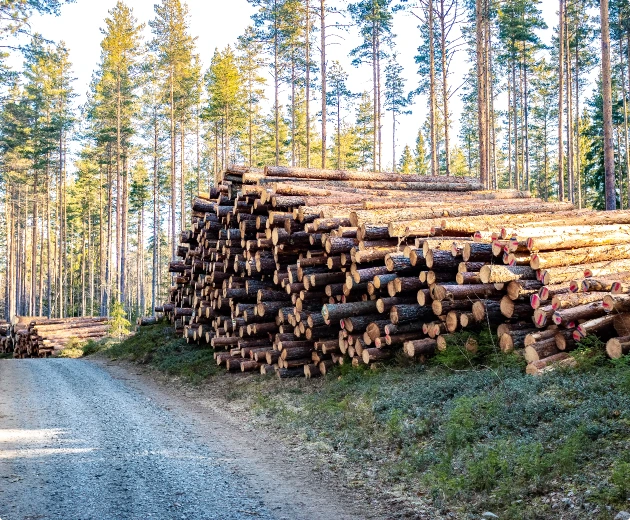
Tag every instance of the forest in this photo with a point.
(95, 195)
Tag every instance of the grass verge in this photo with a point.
(157, 345)
(467, 433)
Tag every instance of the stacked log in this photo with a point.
(144, 321)
(564, 278)
(6, 341)
(290, 271)
(31, 336)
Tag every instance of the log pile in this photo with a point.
(32, 336)
(6, 342)
(290, 271)
(560, 278)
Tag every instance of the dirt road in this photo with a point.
(85, 440)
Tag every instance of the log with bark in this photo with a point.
(330, 267)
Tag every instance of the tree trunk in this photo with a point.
(156, 222)
(379, 125)
(124, 230)
(432, 102)
(33, 300)
(509, 133)
(394, 141)
(493, 139)
(561, 104)
(517, 173)
(338, 131)
(276, 79)
(526, 125)
(293, 107)
(625, 125)
(322, 16)
(141, 261)
(182, 168)
(308, 84)
(609, 154)
(173, 177)
(61, 260)
(110, 223)
(91, 261)
(83, 272)
(447, 153)
(569, 93)
(119, 196)
(48, 238)
(578, 167)
(580, 256)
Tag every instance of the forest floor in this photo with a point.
(457, 438)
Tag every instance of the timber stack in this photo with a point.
(6, 342)
(36, 336)
(291, 270)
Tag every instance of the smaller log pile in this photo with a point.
(33, 336)
(564, 278)
(6, 342)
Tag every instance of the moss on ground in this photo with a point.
(469, 433)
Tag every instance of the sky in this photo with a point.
(217, 23)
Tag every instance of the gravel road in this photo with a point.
(84, 440)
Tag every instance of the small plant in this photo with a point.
(620, 479)
(590, 353)
(73, 349)
(119, 326)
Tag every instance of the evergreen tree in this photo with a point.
(174, 48)
(365, 131)
(519, 21)
(119, 78)
(406, 161)
(140, 194)
(336, 96)
(224, 86)
(374, 19)
(250, 62)
(14, 18)
(396, 101)
(421, 165)
(267, 25)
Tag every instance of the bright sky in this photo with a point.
(218, 23)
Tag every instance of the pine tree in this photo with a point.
(606, 80)
(174, 48)
(267, 24)
(406, 161)
(421, 165)
(519, 21)
(139, 196)
(224, 87)
(14, 18)
(544, 86)
(374, 19)
(337, 95)
(365, 131)
(39, 73)
(344, 152)
(396, 101)
(120, 53)
(249, 63)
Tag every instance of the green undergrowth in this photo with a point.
(158, 346)
(467, 433)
